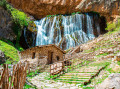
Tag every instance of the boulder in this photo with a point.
(2, 57)
(112, 82)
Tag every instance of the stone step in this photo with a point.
(72, 79)
(86, 70)
(80, 77)
(79, 74)
(72, 82)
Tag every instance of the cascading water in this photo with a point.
(66, 31)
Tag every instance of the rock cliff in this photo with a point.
(41, 8)
(6, 25)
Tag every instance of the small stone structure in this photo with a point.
(52, 52)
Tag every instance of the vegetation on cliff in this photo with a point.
(11, 53)
(18, 16)
(113, 25)
(20, 21)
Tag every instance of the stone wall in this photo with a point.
(38, 52)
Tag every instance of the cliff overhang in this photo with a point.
(42, 8)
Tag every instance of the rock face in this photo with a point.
(2, 57)
(6, 25)
(112, 82)
(27, 39)
(41, 8)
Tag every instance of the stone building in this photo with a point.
(52, 52)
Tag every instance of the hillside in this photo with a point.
(86, 38)
(100, 59)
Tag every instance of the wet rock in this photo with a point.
(112, 82)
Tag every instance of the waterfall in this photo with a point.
(66, 31)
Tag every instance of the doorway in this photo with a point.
(33, 55)
(50, 57)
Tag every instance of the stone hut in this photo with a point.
(52, 52)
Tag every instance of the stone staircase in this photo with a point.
(83, 74)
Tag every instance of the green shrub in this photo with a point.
(19, 17)
(26, 86)
(73, 13)
(111, 26)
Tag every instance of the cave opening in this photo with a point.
(76, 29)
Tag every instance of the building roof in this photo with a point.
(47, 46)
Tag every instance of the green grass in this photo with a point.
(34, 73)
(103, 63)
(10, 52)
(118, 62)
(100, 55)
(29, 87)
(84, 87)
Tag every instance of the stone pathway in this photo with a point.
(43, 83)
(71, 80)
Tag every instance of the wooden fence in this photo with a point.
(15, 78)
